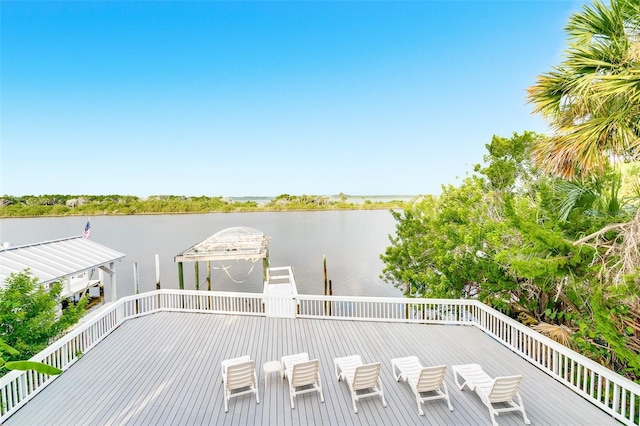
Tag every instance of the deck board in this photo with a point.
(164, 369)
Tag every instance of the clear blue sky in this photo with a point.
(265, 98)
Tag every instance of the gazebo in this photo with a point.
(237, 243)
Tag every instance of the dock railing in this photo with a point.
(604, 388)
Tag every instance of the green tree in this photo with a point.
(592, 99)
(513, 238)
(29, 318)
(447, 246)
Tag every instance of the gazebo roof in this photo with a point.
(239, 242)
(50, 261)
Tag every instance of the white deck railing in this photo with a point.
(602, 387)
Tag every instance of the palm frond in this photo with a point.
(560, 333)
(592, 100)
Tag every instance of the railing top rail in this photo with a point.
(208, 293)
(399, 300)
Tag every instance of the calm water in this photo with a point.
(351, 240)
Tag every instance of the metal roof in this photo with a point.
(51, 260)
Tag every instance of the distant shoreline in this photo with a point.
(124, 205)
(355, 199)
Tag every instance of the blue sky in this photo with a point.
(265, 98)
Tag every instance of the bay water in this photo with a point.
(352, 242)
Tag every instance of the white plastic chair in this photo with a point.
(491, 391)
(239, 378)
(301, 376)
(359, 377)
(422, 380)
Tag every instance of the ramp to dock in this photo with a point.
(280, 293)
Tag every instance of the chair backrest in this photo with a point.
(228, 362)
(431, 378)
(240, 375)
(305, 373)
(366, 376)
(504, 388)
(290, 360)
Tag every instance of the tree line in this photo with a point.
(91, 205)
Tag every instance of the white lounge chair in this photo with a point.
(239, 378)
(491, 391)
(422, 380)
(304, 377)
(363, 378)
(289, 360)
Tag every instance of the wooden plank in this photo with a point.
(164, 369)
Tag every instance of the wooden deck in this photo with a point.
(164, 369)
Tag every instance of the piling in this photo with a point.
(136, 283)
(157, 272)
(197, 272)
(324, 265)
(330, 294)
(180, 276)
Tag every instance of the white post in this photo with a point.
(112, 275)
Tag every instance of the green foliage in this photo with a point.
(32, 365)
(88, 205)
(444, 246)
(506, 236)
(23, 365)
(608, 334)
(28, 314)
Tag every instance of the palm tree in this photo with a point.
(592, 99)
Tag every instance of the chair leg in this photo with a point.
(493, 415)
(384, 402)
(456, 375)
(353, 401)
(319, 386)
(446, 394)
(419, 406)
(524, 414)
(255, 387)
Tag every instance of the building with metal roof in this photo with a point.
(78, 263)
